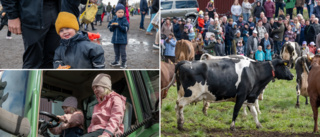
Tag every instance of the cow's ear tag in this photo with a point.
(285, 63)
(171, 62)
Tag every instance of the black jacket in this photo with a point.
(309, 33)
(79, 53)
(185, 36)
(144, 6)
(30, 12)
(258, 10)
(176, 31)
(155, 6)
(4, 19)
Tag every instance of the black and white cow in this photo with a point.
(290, 51)
(207, 56)
(302, 69)
(237, 80)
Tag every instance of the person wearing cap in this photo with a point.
(119, 26)
(278, 36)
(309, 32)
(75, 48)
(185, 34)
(304, 49)
(72, 122)
(252, 44)
(312, 47)
(107, 117)
(176, 28)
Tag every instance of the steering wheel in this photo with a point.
(53, 118)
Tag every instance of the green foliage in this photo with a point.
(277, 107)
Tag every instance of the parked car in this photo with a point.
(180, 8)
(141, 89)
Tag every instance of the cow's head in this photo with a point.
(281, 69)
(288, 53)
(315, 61)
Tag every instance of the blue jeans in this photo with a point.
(142, 21)
(310, 9)
(235, 18)
(277, 47)
(278, 5)
(246, 16)
(120, 50)
(150, 25)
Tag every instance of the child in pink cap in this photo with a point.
(72, 122)
(108, 114)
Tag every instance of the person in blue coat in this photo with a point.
(259, 55)
(119, 26)
(75, 48)
(143, 10)
(269, 53)
(170, 44)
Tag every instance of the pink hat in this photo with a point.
(70, 102)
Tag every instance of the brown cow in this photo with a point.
(167, 77)
(184, 51)
(314, 88)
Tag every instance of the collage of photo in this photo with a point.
(149, 68)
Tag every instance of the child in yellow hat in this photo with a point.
(75, 48)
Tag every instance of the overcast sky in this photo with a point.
(114, 2)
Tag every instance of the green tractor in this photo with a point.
(31, 100)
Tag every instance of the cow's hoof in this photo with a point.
(259, 126)
(233, 128)
(297, 106)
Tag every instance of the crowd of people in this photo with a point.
(257, 30)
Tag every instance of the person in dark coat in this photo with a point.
(4, 21)
(185, 34)
(176, 28)
(316, 10)
(309, 32)
(75, 49)
(119, 26)
(266, 41)
(229, 36)
(40, 40)
(257, 10)
(143, 10)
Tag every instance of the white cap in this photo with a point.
(254, 31)
(312, 43)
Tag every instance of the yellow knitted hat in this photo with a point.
(66, 20)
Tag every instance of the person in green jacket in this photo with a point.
(99, 13)
(290, 4)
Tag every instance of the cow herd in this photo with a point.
(238, 79)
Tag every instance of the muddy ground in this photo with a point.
(244, 133)
(140, 53)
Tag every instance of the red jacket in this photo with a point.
(201, 22)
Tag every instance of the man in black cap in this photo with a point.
(176, 28)
(185, 33)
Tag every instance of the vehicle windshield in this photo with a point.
(152, 85)
(15, 90)
(166, 5)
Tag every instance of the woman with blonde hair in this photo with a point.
(72, 122)
(246, 10)
(236, 10)
(108, 114)
(210, 8)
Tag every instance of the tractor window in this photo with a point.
(13, 89)
(166, 5)
(151, 80)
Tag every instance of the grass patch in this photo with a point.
(278, 114)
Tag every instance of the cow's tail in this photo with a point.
(176, 73)
(171, 82)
